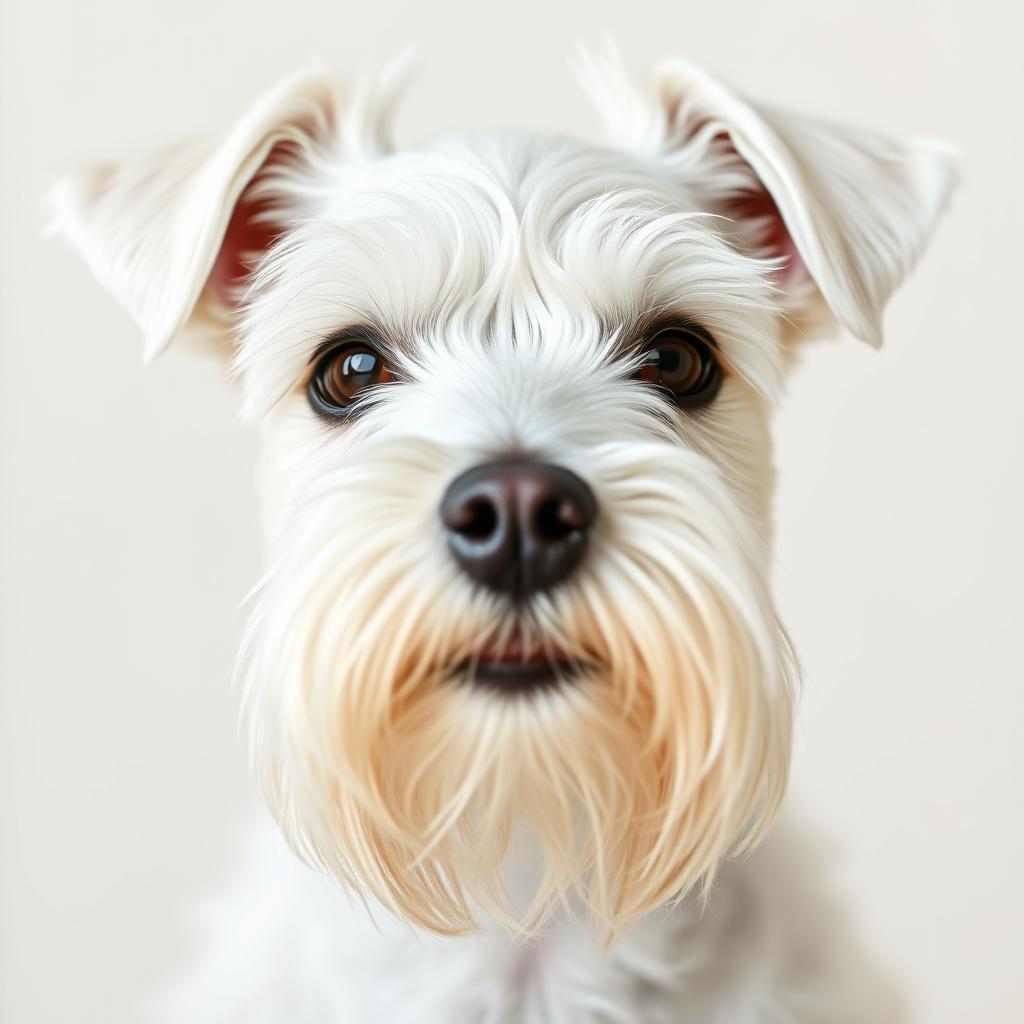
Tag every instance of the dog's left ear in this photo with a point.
(176, 234)
(846, 211)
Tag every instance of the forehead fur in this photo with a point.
(487, 239)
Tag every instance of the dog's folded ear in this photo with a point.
(846, 211)
(174, 235)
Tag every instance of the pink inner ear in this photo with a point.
(249, 234)
(768, 236)
(244, 242)
(762, 228)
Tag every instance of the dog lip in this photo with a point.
(514, 653)
(519, 675)
(513, 667)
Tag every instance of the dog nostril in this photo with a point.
(557, 519)
(479, 520)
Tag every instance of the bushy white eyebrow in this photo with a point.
(524, 237)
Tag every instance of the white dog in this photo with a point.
(514, 677)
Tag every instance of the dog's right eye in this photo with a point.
(344, 373)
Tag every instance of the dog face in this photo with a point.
(515, 399)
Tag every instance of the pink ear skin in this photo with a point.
(770, 237)
(250, 233)
(245, 239)
(760, 227)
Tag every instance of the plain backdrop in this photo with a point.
(128, 510)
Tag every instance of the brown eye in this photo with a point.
(682, 360)
(343, 374)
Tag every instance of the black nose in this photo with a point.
(518, 527)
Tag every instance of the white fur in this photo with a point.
(579, 829)
(283, 944)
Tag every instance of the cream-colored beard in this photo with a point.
(407, 782)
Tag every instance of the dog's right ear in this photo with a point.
(175, 235)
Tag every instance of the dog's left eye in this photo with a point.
(682, 360)
(344, 373)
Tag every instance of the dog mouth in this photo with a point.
(516, 665)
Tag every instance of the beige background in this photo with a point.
(127, 519)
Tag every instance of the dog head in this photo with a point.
(515, 397)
